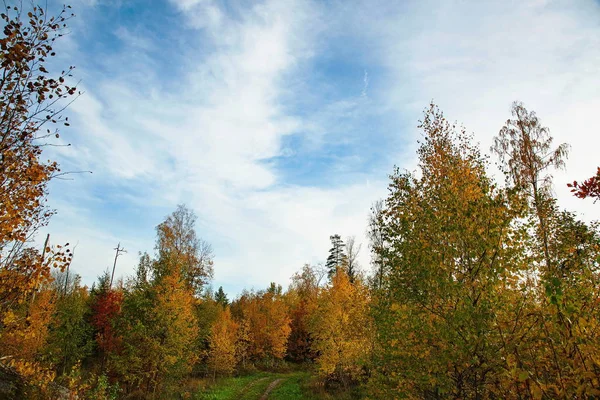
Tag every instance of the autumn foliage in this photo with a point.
(30, 98)
(490, 291)
(588, 188)
(223, 354)
(481, 290)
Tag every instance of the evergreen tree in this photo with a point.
(221, 297)
(337, 255)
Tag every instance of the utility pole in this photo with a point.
(43, 256)
(68, 267)
(119, 251)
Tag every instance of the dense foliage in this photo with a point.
(479, 290)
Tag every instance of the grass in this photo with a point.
(231, 388)
(293, 386)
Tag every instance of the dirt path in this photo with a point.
(246, 388)
(270, 388)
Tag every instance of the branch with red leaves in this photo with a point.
(589, 187)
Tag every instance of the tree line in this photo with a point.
(480, 289)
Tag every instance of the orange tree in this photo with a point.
(31, 100)
(265, 322)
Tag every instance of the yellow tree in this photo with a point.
(243, 343)
(446, 233)
(29, 100)
(266, 315)
(222, 354)
(179, 248)
(176, 327)
(158, 334)
(27, 312)
(341, 329)
(24, 337)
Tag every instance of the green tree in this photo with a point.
(352, 250)
(71, 335)
(221, 297)
(445, 232)
(337, 256)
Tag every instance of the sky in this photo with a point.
(278, 121)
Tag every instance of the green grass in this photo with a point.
(231, 388)
(293, 386)
(255, 390)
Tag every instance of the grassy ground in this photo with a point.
(284, 386)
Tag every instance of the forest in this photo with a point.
(478, 288)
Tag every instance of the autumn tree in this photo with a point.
(24, 336)
(243, 344)
(106, 308)
(26, 308)
(179, 248)
(31, 99)
(337, 256)
(445, 231)
(158, 323)
(222, 356)
(176, 328)
(564, 261)
(340, 327)
(301, 299)
(268, 322)
(158, 332)
(525, 150)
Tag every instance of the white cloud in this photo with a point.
(475, 59)
(206, 144)
(204, 138)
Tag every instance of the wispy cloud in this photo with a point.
(262, 116)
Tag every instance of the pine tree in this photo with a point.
(221, 297)
(337, 256)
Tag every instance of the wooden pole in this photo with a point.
(43, 256)
(118, 252)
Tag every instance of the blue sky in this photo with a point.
(278, 121)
